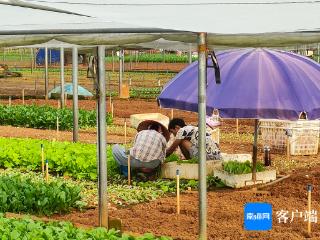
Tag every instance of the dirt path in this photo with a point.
(85, 136)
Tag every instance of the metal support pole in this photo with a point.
(32, 60)
(20, 51)
(318, 53)
(46, 75)
(123, 66)
(120, 72)
(62, 77)
(112, 61)
(190, 55)
(255, 151)
(101, 102)
(202, 75)
(75, 93)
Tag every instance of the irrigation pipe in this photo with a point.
(274, 182)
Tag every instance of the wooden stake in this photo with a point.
(110, 101)
(23, 96)
(9, 101)
(112, 110)
(47, 170)
(178, 191)
(57, 126)
(288, 148)
(65, 99)
(35, 87)
(125, 133)
(309, 207)
(237, 126)
(42, 158)
(129, 170)
(171, 113)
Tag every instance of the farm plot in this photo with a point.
(225, 212)
(33, 84)
(225, 207)
(27, 228)
(46, 117)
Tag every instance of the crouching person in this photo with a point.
(186, 137)
(149, 148)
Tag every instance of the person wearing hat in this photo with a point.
(186, 138)
(149, 147)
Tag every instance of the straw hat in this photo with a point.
(144, 125)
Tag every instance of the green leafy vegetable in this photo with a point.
(77, 160)
(14, 229)
(29, 193)
(235, 167)
(45, 117)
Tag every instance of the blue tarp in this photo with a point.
(68, 88)
(54, 54)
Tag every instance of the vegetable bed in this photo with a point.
(76, 160)
(45, 117)
(16, 229)
(29, 193)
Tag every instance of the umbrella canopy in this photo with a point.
(68, 88)
(256, 83)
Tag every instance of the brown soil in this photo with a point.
(225, 212)
(149, 66)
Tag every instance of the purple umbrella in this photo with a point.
(256, 83)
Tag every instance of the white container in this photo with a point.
(242, 180)
(135, 119)
(304, 140)
(190, 170)
(187, 170)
